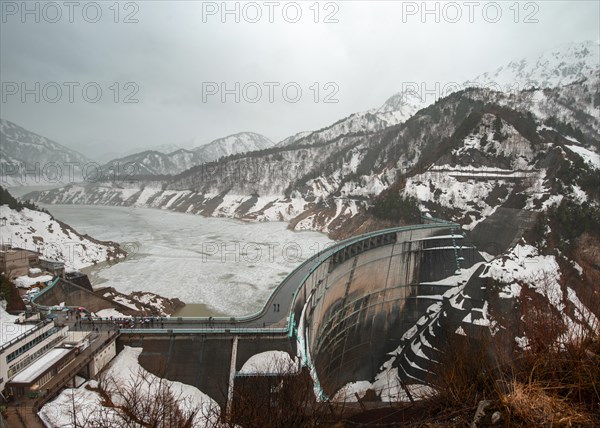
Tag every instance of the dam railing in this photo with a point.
(46, 289)
(377, 238)
(208, 330)
(317, 259)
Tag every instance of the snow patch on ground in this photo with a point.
(388, 386)
(587, 155)
(524, 265)
(111, 312)
(348, 392)
(123, 371)
(126, 302)
(272, 362)
(448, 191)
(27, 281)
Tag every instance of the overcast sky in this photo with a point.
(172, 57)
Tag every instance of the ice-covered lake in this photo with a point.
(228, 265)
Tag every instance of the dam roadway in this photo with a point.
(342, 311)
(269, 320)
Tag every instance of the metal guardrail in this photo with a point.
(263, 374)
(209, 330)
(291, 329)
(338, 246)
(53, 282)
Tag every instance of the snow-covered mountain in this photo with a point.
(29, 158)
(161, 148)
(154, 162)
(151, 163)
(96, 150)
(562, 66)
(518, 170)
(232, 144)
(324, 186)
(569, 63)
(35, 230)
(320, 180)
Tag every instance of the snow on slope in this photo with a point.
(27, 157)
(232, 144)
(523, 268)
(38, 231)
(401, 106)
(120, 376)
(564, 65)
(155, 162)
(587, 155)
(293, 138)
(524, 264)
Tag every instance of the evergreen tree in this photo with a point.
(498, 129)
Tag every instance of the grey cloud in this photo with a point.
(170, 52)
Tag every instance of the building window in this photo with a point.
(11, 357)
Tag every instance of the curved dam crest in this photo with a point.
(362, 303)
(343, 311)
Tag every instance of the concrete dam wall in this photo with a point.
(201, 360)
(357, 305)
(401, 290)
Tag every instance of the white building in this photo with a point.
(22, 351)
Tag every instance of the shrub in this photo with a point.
(394, 206)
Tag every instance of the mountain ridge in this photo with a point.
(28, 157)
(153, 162)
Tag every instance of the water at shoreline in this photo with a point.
(197, 310)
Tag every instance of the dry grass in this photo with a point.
(558, 388)
(535, 405)
(545, 386)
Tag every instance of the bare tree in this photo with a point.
(144, 400)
